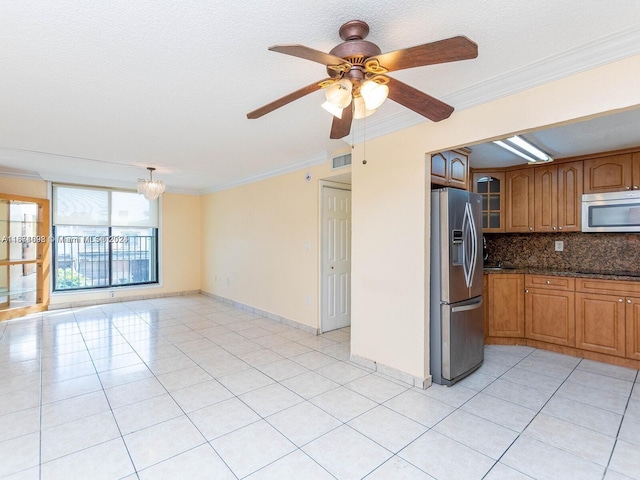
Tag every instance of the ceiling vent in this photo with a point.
(341, 161)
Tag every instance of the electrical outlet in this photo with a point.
(559, 246)
(112, 294)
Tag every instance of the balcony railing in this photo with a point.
(99, 261)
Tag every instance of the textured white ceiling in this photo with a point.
(96, 91)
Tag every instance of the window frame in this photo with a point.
(154, 248)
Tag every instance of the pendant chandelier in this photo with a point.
(151, 189)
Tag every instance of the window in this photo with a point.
(103, 238)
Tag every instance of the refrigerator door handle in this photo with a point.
(470, 246)
(474, 244)
(465, 308)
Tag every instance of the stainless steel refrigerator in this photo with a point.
(457, 318)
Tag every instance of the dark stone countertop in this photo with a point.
(623, 276)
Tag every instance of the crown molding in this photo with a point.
(316, 159)
(25, 175)
(600, 51)
(596, 53)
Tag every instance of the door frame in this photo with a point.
(321, 227)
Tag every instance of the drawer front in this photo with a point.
(612, 287)
(549, 281)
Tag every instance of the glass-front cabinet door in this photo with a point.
(490, 185)
(24, 253)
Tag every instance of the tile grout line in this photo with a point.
(521, 433)
(104, 392)
(206, 441)
(615, 442)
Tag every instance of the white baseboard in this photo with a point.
(264, 313)
(393, 372)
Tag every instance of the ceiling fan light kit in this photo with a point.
(373, 93)
(360, 109)
(357, 69)
(333, 109)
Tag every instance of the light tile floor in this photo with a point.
(190, 388)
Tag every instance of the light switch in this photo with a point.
(559, 246)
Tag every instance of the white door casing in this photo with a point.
(336, 259)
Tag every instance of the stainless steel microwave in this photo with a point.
(611, 212)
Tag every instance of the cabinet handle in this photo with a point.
(554, 228)
(526, 290)
(548, 282)
(559, 228)
(636, 187)
(627, 188)
(531, 229)
(628, 300)
(620, 300)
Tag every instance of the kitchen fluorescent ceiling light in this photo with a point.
(524, 148)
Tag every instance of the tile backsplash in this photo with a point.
(593, 251)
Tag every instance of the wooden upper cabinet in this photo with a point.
(458, 170)
(440, 168)
(609, 174)
(570, 189)
(519, 205)
(451, 169)
(546, 198)
(490, 185)
(558, 195)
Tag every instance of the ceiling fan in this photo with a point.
(358, 83)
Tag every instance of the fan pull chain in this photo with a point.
(364, 141)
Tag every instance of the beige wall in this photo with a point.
(389, 322)
(181, 240)
(249, 243)
(181, 245)
(24, 187)
(255, 244)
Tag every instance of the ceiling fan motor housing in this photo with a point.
(354, 49)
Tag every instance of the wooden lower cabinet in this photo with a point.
(550, 316)
(633, 327)
(549, 313)
(587, 317)
(506, 305)
(600, 323)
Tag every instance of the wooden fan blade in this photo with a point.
(342, 126)
(418, 101)
(442, 51)
(270, 107)
(307, 53)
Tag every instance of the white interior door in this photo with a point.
(336, 258)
